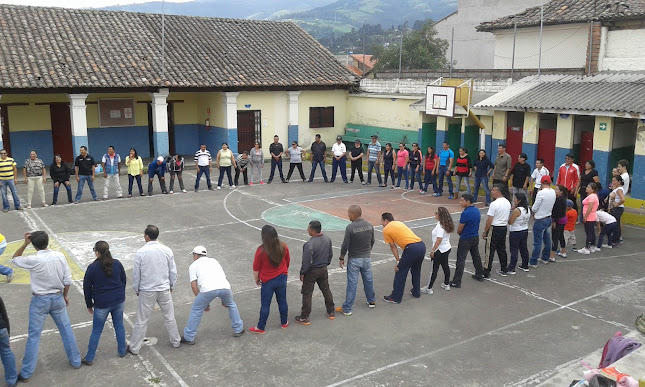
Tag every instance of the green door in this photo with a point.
(471, 140)
(454, 137)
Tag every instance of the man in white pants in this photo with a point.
(153, 279)
(111, 167)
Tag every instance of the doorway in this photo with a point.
(249, 129)
(4, 127)
(514, 134)
(171, 130)
(545, 148)
(62, 131)
(586, 148)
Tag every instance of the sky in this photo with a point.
(81, 3)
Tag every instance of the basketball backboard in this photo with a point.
(440, 100)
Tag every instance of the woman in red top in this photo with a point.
(463, 170)
(270, 269)
(431, 171)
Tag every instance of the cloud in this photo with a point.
(83, 3)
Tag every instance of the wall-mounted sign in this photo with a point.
(516, 128)
(247, 106)
(116, 112)
(602, 126)
(564, 116)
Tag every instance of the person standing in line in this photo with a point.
(276, 150)
(446, 158)
(257, 162)
(270, 270)
(414, 251)
(135, 171)
(50, 278)
(176, 170)
(8, 178)
(4, 270)
(357, 244)
(316, 256)
(536, 178)
(607, 225)
(569, 229)
(373, 160)
(463, 170)
(388, 163)
(603, 197)
(518, 227)
(339, 152)
(35, 178)
(204, 166)
(622, 166)
(153, 278)
(318, 151)
(60, 173)
(416, 166)
(402, 161)
(6, 354)
(294, 154)
(483, 170)
(617, 204)
(587, 176)
(502, 169)
(589, 218)
(104, 290)
(111, 167)
(242, 162)
(224, 162)
(356, 161)
(468, 232)
(559, 220)
(542, 209)
(495, 232)
(84, 169)
(430, 165)
(157, 168)
(440, 249)
(208, 282)
(521, 175)
(569, 177)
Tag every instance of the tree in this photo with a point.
(422, 49)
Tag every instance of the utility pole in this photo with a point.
(452, 49)
(541, 31)
(163, 40)
(513, 59)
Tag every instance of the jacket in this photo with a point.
(59, 174)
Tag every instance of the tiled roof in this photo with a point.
(68, 48)
(369, 62)
(604, 92)
(570, 11)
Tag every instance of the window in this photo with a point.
(321, 117)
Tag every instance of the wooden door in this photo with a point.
(4, 125)
(62, 131)
(586, 148)
(248, 129)
(546, 148)
(514, 140)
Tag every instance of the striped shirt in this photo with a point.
(202, 158)
(242, 162)
(374, 149)
(6, 169)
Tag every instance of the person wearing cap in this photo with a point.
(542, 210)
(318, 149)
(339, 152)
(84, 168)
(157, 168)
(373, 158)
(356, 157)
(208, 282)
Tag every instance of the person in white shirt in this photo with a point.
(542, 208)
(440, 249)
(204, 166)
(111, 167)
(50, 278)
(339, 152)
(208, 281)
(622, 166)
(153, 278)
(536, 178)
(610, 229)
(518, 232)
(495, 231)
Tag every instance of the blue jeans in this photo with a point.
(441, 174)
(67, 186)
(4, 270)
(131, 181)
(541, 235)
(356, 266)
(39, 308)
(277, 285)
(517, 241)
(81, 184)
(202, 301)
(204, 170)
(402, 171)
(343, 168)
(467, 181)
(222, 171)
(98, 322)
(416, 174)
(274, 164)
(8, 358)
(483, 181)
(610, 230)
(315, 164)
(371, 165)
(430, 177)
(411, 260)
(14, 192)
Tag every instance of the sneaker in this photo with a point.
(486, 275)
(130, 351)
(233, 186)
(331, 315)
(302, 320)
(256, 330)
(251, 183)
(606, 246)
(238, 334)
(455, 285)
(188, 342)
(76, 202)
(512, 272)
(502, 273)
(437, 195)
(426, 290)
(552, 260)
(450, 196)
(304, 180)
(87, 363)
(532, 265)
(218, 187)
(390, 300)
(584, 250)
(9, 277)
(445, 287)
(573, 248)
(196, 190)
(285, 325)
(525, 268)
(371, 304)
(261, 182)
(563, 255)
(593, 249)
(362, 182)
(339, 309)
(285, 180)
(183, 190)
(171, 192)
(544, 262)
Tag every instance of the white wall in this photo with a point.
(563, 46)
(623, 50)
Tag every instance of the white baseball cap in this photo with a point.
(160, 158)
(201, 250)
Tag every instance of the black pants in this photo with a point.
(227, 171)
(590, 230)
(465, 246)
(505, 191)
(518, 244)
(357, 165)
(440, 259)
(496, 242)
(237, 176)
(179, 177)
(316, 275)
(275, 164)
(617, 212)
(162, 183)
(557, 235)
(391, 173)
(292, 166)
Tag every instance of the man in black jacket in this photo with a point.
(8, 358)
(318, 149)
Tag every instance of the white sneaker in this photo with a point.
(218, 187)
(593, 249)
(233, 186)
(563, 255)
(584, 250)
(183, 190)
(426, 290)
(606, 246)
(444, 286)
(171, 192)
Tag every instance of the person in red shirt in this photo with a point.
(270, 269)
(569, 177)
(430, 171)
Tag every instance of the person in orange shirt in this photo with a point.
(569, 228)
(414, 251)
(569, 177)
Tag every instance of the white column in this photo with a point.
(230, 120)
(78, 114)
(160, 122)
(292, 132)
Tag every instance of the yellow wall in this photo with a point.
(602, 139)
(274, 112)
(499, 125)
(189, 111)
(322, 98)
(531, 128)
(383, 112)
(29, 118)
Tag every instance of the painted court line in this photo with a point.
(474, 338)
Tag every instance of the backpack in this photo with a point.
(616, 348)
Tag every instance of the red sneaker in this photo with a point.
(256, 330)
(284, 326)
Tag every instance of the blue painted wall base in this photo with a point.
(77, 142)
(187, 139)
(121, 138)
(420, 141)
(488, 145)
(603, 167)
(160, 141)
(40, 140)
(292, 134)
(441, 137)
(637, 183)
(531, 153)
(232, 139)
(559, 160)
